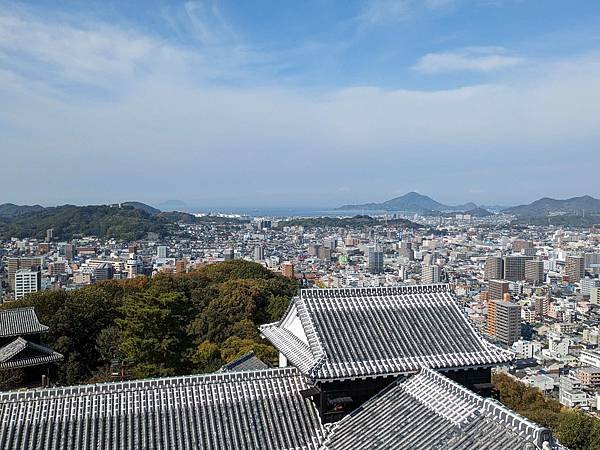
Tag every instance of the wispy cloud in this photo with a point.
(95, 54)
(208, 23)
(479, 59)
(377, 12)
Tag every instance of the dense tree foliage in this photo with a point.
(574, 429)
(127, 223)
(168, 325)
(356, 221)
(567, 220)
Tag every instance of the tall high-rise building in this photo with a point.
(287, 270)
(497, 289)
(27, 281)
(587, 284)
(542, 306)
(406, 250)
(161, 251)
(430, 274)
(595, 295)
(56, 268)
(69, 250)
(228, 254)
(534, 271)
(591, 259)
(180, 266)
(375, 260)
(330, 243)
(324, 253)
(134, 267)
(15, 264)
(504, 321)
(493, 269)
(259, 253)
(574, 268)
(514, 267)
(49, 234)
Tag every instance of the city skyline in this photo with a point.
(226, 104)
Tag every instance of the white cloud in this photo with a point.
(160, 118)
(478, 59)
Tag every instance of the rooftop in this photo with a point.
(430, 411)
(249, 361)
(22, 353)
(237, 410)
(20, 321)
(261, 409)
(346, 333)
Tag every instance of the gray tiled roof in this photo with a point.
(249, 361)
(237, 410)
(22, 353)
(374, 331)
(429, 411)
(20, 321)
(258, 410)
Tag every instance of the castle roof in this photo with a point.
(20, 321)
(346, 333)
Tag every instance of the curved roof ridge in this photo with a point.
(523, 426)
(141, 385)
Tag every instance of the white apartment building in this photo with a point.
(589, 358)
(27, 281)
(526, 349)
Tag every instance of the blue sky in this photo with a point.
(319, 102)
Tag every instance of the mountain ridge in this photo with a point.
(547, 206)
(409, 202)
(10, 210)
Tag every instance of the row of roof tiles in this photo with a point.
(388, 332)
(259, 409)
(20, 322)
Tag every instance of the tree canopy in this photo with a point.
(166, 325)
(574, 428)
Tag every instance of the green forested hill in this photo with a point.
(126, 222)
(10, 210)
(356, 221)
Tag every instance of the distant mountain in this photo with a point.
(143, 207)
(548, 206)
(10, 210)
(173, 205)
(479, 212)
(412, 202)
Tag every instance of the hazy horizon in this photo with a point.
(235, 104)
(194, 206)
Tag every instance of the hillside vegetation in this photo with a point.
(10, 210)
(573, 428)
(169, 325)
(127, 223)
(341, 222)
(545, 206)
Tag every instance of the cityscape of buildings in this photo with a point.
(534, 290)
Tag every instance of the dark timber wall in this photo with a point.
(339, 398)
